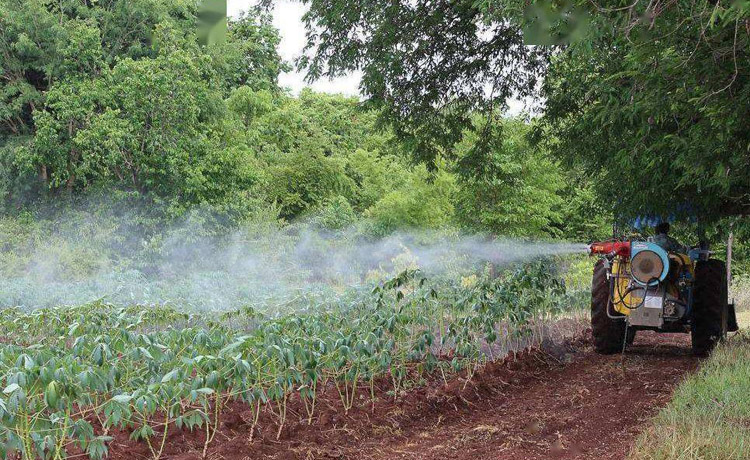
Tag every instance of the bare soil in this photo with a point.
(564, 402)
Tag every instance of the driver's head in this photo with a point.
(662, 228)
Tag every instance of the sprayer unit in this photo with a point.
(638, 285)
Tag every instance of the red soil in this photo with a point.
(566, 403)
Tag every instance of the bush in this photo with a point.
(422, 202)
(336, 214)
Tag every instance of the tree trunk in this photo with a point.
(730, 240)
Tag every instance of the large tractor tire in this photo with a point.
(710, 306)
(631, 336)
(609, 334)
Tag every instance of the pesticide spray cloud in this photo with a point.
(248, 267)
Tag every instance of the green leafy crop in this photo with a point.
(72, 375)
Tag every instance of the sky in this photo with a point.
(287, 17)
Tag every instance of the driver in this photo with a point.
(663, 239)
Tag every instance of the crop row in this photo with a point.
(72, 375)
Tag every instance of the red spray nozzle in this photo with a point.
(620, 248)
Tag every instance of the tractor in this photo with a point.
(640, 285)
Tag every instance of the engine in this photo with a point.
(648, 285)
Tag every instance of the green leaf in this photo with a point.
(51, 396)
(145, 353)
(11, 388)
(122, 398)
(169, 376)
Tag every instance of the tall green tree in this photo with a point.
(658, 109)
(518, 192)
(314, 147)
(250, 56)
(116, 93)
(149, 125)
(44, 42)
(650, 97)
(427, 65)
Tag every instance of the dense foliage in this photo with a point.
(650, 99)
(426, 64)
(112, 108)
(119, 93)
(661, 105)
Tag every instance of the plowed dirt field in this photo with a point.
(565, 402)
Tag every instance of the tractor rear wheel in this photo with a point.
(609, 334)
(710, 305)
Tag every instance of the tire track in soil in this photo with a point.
(587, 407)
(566, 403)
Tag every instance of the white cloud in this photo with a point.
(287, 17)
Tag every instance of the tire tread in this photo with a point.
(710, 306)
(609, 334)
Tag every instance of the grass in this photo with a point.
(709, 416)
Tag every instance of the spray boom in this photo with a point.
(620, 248)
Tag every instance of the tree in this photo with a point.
(303, 180)
(649, 96)
(115, 93)
(658, 110)
(314, 148)
(518, 191)
(149, 125)
(42, 43)
(250, 56)
(428, 65)
(424, 201)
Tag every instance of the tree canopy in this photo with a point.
(660, 109)
(120, 100)
(428, 65)
(650, 98)
(120, 92)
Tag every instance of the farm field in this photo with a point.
(411, 369)
(366, 229)
(554, 400)
(75, 378)
(567, 404)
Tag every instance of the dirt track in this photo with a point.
(572, 404)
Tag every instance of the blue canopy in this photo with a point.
(684, 211)
(651, 220)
